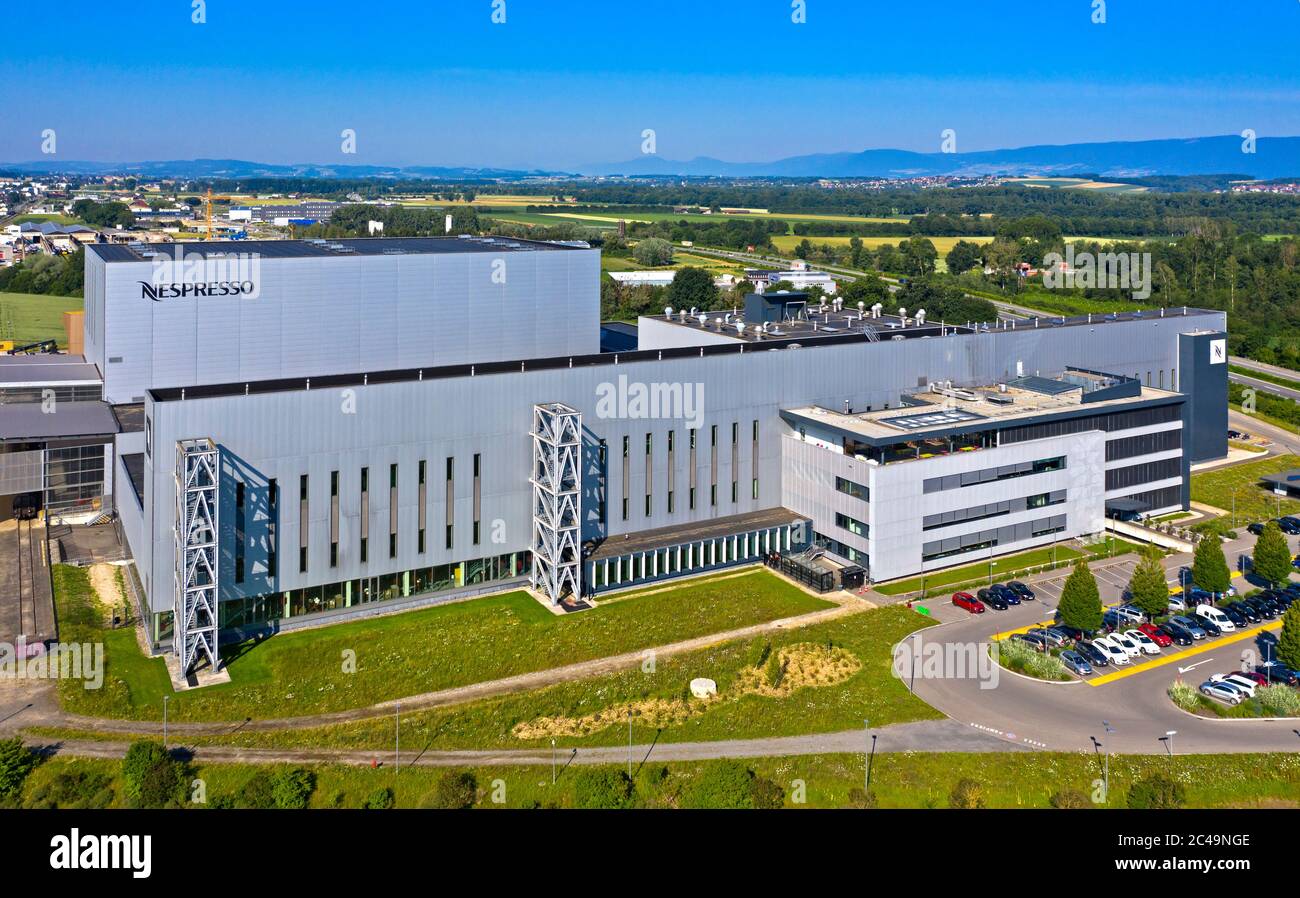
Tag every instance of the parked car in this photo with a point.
(1264, 608)
(1144, 642)
(1096, 657)
(1238, 619)
(1247, 611)
(1178, 634)
(1256, 528)
(1222, 692)
(1076, 662)
(1257, 678)
(1237, 681)
(1289, 525)
(1032, 639)
(1156, 635)
(968, 601)
(1074, 634)
(1211, 627)
(1189, 625)
(1128, 645)
(992, 599)
(1055, 638)
(1295, 562)
(1177, 602)
(1008, 595)
(1275, 672)
(1114, 653)
(1131, 613)
(1026, 594)
(1281, 597)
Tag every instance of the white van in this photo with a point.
(1216, 616)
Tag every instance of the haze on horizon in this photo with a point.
(559, 87)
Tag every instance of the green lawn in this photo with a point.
(450, 645)
(1002, 566)
(904, 780)
(28, 317)
(872, 692)
(1254, 503)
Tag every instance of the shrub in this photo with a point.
(1019, 656)
(1279, 700)
(151, 777)
(257, 794)
(380, 800)
(73, 790)
(454, 790)
(766, 794)
(968, 794)
(1288, 643)
(862, 799)
(721, 784)
(1184, 695)
(656, 775)
(1069, 798)
(292, 789)
(16, 762)
(1157, 792)
(603, 788)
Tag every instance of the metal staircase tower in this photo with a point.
(557, 482)
(198, 481)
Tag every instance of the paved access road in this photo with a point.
(1067, 716)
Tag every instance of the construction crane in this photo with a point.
(207, 206)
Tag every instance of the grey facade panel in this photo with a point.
(285, 434)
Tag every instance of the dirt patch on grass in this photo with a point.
(103, 580)
(805, 665)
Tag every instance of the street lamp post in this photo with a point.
(552, 762)
(629, 743)
(866, 762)
(1110, 731)
(1169, 744)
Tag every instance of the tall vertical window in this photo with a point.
(735, 460)
(365, 515)
(272, 526)
(753, 460)
(334, 518)
(422, 514)
(672, 473)
(693, 471)
(451, 499)
(627, 474)
(713, 465)
(392, 511)
(649, 471)
(478, 496)
(302, 524)
(602, 462)
(240, 531)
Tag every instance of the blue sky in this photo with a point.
(563, 82)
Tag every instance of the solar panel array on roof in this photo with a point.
(1044, 385)
(939, 418)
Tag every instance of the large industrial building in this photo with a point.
(342, 428)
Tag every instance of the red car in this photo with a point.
(1257, 678)
(968, 601)
(1158, 636)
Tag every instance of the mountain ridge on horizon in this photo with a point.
(1274, 157)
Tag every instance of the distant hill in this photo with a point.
(1274, 157)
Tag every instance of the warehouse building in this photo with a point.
(342, 428)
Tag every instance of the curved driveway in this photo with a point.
(1066, 717)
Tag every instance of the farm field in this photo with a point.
(1078, 184)
(28, 317)
(788, 242)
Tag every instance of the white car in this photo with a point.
(1240, 683)
(1177, 602)
(1130, 613)
(1145, 642)
(1131, 648)
(1111, 650)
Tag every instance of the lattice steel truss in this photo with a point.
(198, 482)
(557, 500)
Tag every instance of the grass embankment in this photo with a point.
(1003, 568)
(29, 317)
(905, 780)
(593, 711)
(361, 663)
(1217, 487)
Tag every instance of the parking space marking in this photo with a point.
(1010, 736)
(1205, 646)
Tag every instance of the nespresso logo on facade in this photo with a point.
(160, 292)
